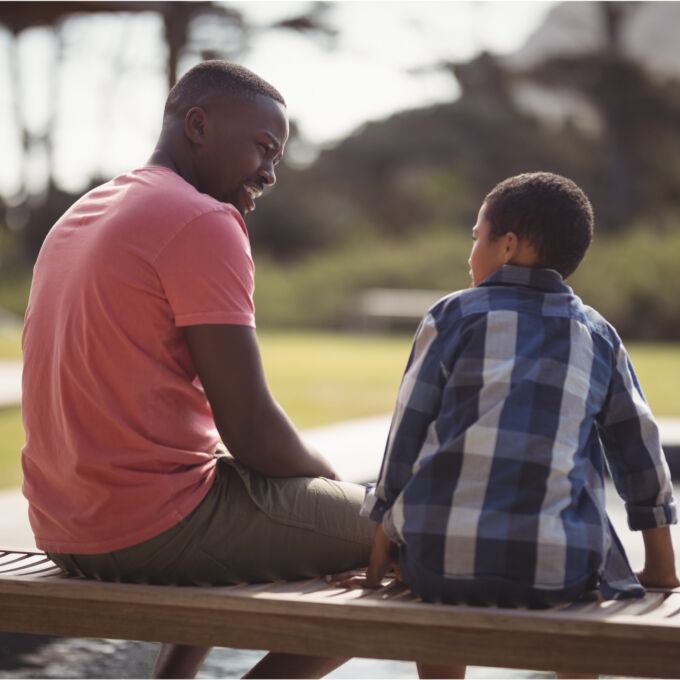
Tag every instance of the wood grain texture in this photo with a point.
(637, 637)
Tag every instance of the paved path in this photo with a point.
(10, 383)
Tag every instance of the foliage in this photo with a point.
(632, 279)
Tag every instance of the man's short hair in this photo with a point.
(214, 78)
(550, 211)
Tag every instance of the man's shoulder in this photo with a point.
(150, 205)
(161, 190)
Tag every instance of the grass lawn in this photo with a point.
(10, 344)
(11, 441)
(321, 378)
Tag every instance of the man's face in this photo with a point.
(243, 140)
(488, 251)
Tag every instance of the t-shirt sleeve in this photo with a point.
(207, 271)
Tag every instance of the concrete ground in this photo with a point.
(10, 383)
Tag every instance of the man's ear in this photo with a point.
(511, 246)
(195, 125)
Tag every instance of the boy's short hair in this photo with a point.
(548, 210)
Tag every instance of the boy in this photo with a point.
(514, 394)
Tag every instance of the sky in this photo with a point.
(107, 97)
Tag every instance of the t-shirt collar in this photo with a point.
(547, 280)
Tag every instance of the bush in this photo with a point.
(631, 279)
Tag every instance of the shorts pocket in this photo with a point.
(288, 500)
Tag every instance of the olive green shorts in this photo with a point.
(249, 528)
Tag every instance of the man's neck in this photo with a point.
(167, 154)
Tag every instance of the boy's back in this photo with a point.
(514, 397)
(495, 459)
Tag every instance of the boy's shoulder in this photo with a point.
(472, 304)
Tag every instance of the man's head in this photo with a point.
(230, 126)
(535, 219)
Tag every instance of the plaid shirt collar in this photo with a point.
(547, 280)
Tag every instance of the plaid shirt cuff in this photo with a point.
(645, 517)
(373, 507)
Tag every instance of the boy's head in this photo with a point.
(536, 219)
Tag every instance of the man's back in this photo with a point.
(119, 434)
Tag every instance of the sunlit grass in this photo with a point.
(658, 368)
(327, 377)
(322, 378)
(10, 344)
(11, 441)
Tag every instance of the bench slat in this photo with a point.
(310, 617)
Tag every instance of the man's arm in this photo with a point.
(253, 426)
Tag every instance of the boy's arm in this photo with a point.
(639, 470)
(659, 569)
(404, 441)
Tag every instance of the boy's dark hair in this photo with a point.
(548, 210)
(212, 78)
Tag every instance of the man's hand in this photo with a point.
(384, 556)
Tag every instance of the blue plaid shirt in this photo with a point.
(514, 395)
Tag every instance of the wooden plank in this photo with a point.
(503, 646)
(183, 602)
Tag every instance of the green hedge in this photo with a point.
(634, 280)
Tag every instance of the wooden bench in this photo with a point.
(631, 637)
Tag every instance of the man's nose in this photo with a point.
(267, 173)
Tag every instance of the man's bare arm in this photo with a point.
(253, 426)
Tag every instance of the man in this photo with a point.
(140, 354)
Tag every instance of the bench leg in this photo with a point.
(184, 661)
(179, 661)
(280, 665)
(433, 670)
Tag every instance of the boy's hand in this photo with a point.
(659, 569)
(355, 578)
(383, 558)
(649, 579)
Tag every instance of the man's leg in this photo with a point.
(279, 528)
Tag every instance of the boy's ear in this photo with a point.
(511, 246)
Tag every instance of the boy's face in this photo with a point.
(489, 252)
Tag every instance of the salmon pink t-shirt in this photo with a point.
(119, 433)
